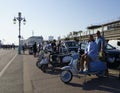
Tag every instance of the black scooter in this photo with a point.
(54, 60)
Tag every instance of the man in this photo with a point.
(100, 40)
(91, 54)
(59, 46)
(35, 49)
(23, 49)
(53, 45)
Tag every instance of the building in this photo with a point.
(31, 40)
(50, 38)
(110, 30)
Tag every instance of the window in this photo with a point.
(71, 44)
(109, 47)
(118, 43)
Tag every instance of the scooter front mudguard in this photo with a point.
(72, 70)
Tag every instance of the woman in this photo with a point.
(91, 53)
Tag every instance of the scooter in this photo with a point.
(97, 68)
(55, 60)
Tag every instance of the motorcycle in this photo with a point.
(97, 68)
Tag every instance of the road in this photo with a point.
(19, 74)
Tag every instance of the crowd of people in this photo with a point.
(8, 46)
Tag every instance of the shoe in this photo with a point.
(81, 72)
(85, 71)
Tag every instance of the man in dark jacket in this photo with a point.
(35, 49)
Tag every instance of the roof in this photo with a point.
(116, 21)
(97, 26)
(93, 26)
(36, 37)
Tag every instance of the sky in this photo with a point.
(53, 17)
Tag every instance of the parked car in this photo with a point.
(115, 43)
(69, 46)
(112, 55)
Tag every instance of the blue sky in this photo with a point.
(54, 17)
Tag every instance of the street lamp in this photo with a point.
(19, 19)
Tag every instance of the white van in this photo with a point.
(115, 43)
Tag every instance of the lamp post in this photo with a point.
(19, 19)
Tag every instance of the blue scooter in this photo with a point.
(97, 68)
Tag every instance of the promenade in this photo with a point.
(19, 74)
(35, 81)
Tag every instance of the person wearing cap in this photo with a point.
(100, 40)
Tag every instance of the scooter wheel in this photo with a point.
(44, 68)
(66, 76)
(38, 64)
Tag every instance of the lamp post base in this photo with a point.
(19, 50)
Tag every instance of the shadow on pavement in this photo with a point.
(110, 84)
(54, 71)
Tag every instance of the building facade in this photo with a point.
(110, 30)
(31, 40)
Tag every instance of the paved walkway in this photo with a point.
(22, 76)
(35, 81)
(11, 80)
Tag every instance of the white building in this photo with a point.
(50, 38)
(31, 40)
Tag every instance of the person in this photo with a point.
(100, 41)
(34, 49)
(91, 54)
(53, 45)
(39, 47)
(59, 46)
(23, 49)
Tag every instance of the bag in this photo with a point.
(100, 54)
